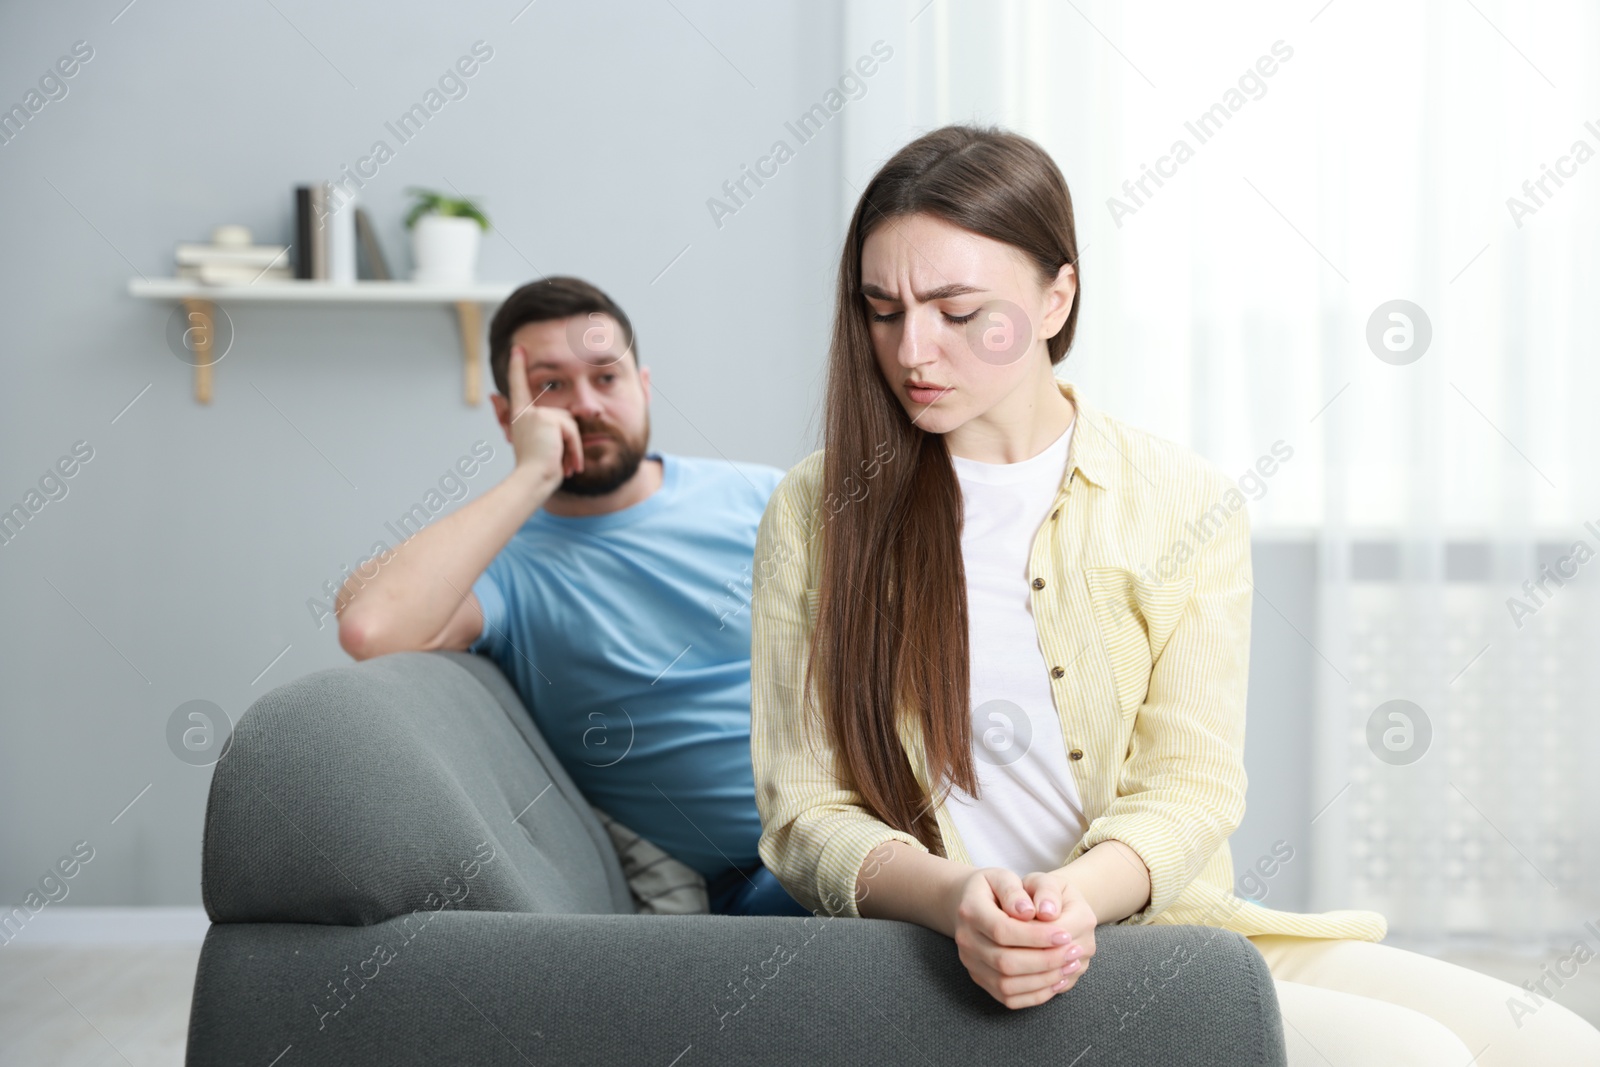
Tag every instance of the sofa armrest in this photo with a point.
(517, 988)
(359, 793)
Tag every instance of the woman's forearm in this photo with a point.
(1112, 878)
(900, 881)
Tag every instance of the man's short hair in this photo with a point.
(556, 297)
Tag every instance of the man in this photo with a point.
(609, 583)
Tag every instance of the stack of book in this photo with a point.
(329, 230)
(230, 259)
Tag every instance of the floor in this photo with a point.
(123, 1003)
(87, 1006)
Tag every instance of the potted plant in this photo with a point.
(445, 232)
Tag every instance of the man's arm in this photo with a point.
(421, 598)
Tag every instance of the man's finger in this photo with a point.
(517, 372)
(571, 439)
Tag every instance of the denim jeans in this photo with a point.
(750, 891)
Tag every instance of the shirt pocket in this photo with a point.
(1126, 612)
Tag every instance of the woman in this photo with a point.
(1058, 606)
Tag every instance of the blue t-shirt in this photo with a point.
(627, 636)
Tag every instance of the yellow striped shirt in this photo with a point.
(1141, 590)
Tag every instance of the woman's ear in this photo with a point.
(1058, 298)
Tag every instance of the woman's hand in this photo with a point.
(1023, 939)
(1055, 899)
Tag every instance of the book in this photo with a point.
(341, 226)
(257, 256)
(377, 268)
(303, 222)
(320, 226)
(233, 274)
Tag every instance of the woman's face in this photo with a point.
(958, 321)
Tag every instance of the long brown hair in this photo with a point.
(892, 615)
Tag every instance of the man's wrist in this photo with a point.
(534, 484)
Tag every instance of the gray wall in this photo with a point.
(180, 562)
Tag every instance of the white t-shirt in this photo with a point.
(1028, 814)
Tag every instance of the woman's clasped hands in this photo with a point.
(1023, 939)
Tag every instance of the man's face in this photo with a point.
(583, 364)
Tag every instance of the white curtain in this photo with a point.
(1229, 306)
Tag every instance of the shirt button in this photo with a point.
(1056, 672)
(1076, 753)
(1038, 583)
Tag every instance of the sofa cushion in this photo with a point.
(659, 883)
(365, 792)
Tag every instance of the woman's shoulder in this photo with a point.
(801, 489)
(1151, 468)
(1151, 472)
(801, 486)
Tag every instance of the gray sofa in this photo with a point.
(398, 871)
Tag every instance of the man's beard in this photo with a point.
(601, 477)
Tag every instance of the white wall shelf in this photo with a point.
(200, 300)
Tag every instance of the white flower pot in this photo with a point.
(445, 249)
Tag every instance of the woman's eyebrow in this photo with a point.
(944, 292)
